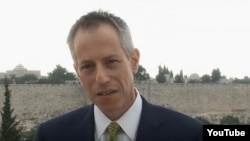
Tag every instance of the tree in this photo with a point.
(230, 120)
(60, 74)
(203, 119)
(161, 76)
(9, 130)
(171, 74)
(142, 74)
(246, 80)
(3, 81)
(216, 75)
(26, 77)
(179, 78)
(205, 78)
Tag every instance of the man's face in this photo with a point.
(104, 70)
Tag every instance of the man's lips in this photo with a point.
(105, 92)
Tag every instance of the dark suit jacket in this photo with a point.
(156, 124)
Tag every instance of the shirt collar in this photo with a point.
(128, 122)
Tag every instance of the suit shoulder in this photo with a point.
(162, 120)
(68, 126)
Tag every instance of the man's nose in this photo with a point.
(102, 76)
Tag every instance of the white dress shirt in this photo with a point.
(129, 122)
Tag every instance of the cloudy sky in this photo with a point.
(195, 36)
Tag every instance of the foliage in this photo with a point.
(28, 135)
(142, 74)
(3, 81)
(205, 78)
(43, 81)
(230, 120)
(171, 74)
(179, 78)
(246, 80)
(9, 127)
(216, 75)
(60, 75)
(193, 81)
(162, 72)
(27, 77)
(203, 119)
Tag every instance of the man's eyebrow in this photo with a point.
(111, 56)
(85, 62)
(105, 58)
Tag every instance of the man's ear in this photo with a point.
(77, 73)
(75, 67)
(135, 60)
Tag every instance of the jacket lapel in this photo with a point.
(86, 127)
(147, 123)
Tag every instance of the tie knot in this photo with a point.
(113, 130)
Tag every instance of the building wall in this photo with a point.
(36, 103)
(20, 71)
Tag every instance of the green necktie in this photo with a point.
(113, 130)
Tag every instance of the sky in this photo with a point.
(195, 36)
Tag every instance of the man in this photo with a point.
(105, 61)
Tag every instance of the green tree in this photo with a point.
(43, 80)
(203, 119)
(230, 120)
(59, 75)
(26, 77)
(2, 81)
(162, 72)
(171, 74)
(28, 135)
(179, 78)
(246, 80)
(216, 75)
(10, 129)
(142, 74)
(205, 78)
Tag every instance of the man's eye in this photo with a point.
(112, 61)
(87, 66)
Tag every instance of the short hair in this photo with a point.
(94, 19)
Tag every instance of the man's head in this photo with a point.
(93, 20)
(105, 61)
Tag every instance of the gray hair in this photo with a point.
(94, 19)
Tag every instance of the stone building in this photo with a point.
(20, 71)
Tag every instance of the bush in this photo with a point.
(203, 119)
(28, 136)
(230, 120)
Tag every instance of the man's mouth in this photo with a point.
(105, 93)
